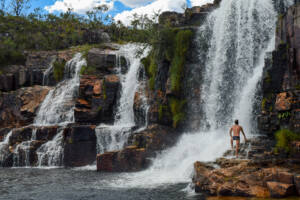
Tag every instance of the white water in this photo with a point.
(4, 148)
(242, 32)
(114, 137)
(58, 106)
(51, 153)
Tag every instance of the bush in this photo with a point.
(284, 139)
(176, 107)
(182, 42)
(87, 70)
(58, 70)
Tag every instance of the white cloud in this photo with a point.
(79, 6)
(135, 3)
(200, 2)
(159, 5)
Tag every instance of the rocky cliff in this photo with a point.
(281, 95)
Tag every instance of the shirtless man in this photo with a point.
(236, 129)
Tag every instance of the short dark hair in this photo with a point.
(236, 122)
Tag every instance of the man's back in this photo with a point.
(236, 130)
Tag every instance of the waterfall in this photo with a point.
(113, 137)
(58, 106)
(56, 109)
(4, 148)
(51, 153)
(242, 31)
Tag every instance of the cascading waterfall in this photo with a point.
(58, 106)
(242, 31)
(113, 137)
(4, 148)
(56, 109)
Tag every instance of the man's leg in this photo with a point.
(237, 148)
(231, 141)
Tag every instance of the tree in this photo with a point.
(18, 6)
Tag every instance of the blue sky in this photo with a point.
(120, 9)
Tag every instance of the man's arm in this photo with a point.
(244, 134)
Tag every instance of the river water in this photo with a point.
(77, 184)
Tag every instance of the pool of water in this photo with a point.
(78, 184)
(87, 184)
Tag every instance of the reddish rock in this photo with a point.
(97, 87)
(283, 101)
(279, 190)
(18, 108)
(97, 99)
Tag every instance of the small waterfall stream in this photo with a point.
(114, 137)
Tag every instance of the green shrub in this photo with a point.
(104, 90)
(150, 65)
(58, 70)
(284, 115)
(87, 70)
(182, 42)
(284, 139)
(263, 103)
(176, 107)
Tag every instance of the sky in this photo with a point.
(120, 9)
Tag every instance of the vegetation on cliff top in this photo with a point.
(40, 31)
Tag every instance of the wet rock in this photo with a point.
(97, 99)
(45, 133)
(20, 135)
(297, 183)
(130, 159)
(79, 145)
(104, 61)
(154, 138)
(18, 108)
(279, 190)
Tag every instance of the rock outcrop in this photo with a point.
(281, 84)
(142, 146)
(18, 108)
(79, 145)
(264, 174)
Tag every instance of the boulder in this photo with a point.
(97, 99)
(79, 145)
(297, 183)
(104, 61)
(18, 108)
(130, 159)
(280, 190)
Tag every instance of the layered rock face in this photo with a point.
(264, 174)
(141, 146)
(18, 108)
(281, 93)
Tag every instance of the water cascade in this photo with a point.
(58, 106)
(241, 34)
(113, 137)
(56, 109)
